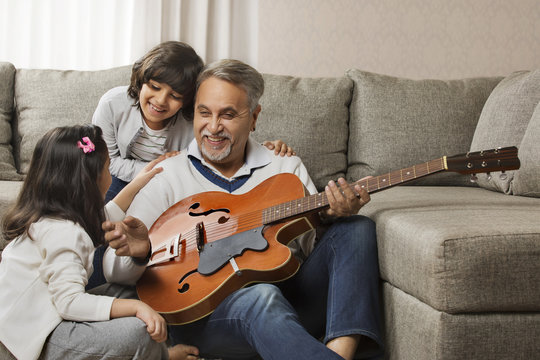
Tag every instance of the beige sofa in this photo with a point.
(459, 261)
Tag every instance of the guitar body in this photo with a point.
(182, 294)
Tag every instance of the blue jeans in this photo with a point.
(97, 278)
(335, 293)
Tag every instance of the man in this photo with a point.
(329, 309)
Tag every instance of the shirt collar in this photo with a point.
(256, 156)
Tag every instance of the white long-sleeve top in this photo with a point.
(43, 281)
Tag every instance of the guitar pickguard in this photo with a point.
(216, 254)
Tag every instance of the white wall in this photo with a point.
(411, 38)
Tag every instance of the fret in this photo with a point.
(421, 170)
(395, 178)
(384, 180)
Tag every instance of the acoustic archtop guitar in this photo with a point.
(210, 244)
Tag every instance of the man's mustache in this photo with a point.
(221, 134)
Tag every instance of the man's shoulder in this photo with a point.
(284, 161)
(175, 167)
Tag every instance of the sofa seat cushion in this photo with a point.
(416, 331)
(311, 115)
(460, 249)
(49, 98)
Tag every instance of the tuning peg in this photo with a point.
(503, 176)
(488, 176)
(474, 178)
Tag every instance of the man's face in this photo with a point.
(222, 123)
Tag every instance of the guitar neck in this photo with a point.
(319, 201)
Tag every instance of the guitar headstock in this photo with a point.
(499, 159)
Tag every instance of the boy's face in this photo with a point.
(159, 102)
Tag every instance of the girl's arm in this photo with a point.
(155, 323)
(124, 198)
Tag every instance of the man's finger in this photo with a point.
(107, 225)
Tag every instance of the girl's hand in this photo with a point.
(280, 148)
(155, 323)
(148, 172)
(124, 198)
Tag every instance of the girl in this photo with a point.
(53, 230)
(152, 116)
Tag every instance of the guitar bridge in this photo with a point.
(166, 251)
(200, 236)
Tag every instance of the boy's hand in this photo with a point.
(280, 148)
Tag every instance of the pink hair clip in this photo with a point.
(88, 145)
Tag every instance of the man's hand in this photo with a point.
(129, 237)
(343, 200)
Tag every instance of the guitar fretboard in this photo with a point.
(319, 201)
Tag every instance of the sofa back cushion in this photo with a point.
(8, 170)
(526, 180)
(504, 121)
(396, 123)
(311, 115)
(49, 98)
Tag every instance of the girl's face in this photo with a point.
(159, 102)
(104, 178)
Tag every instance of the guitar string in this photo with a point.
(255, 218)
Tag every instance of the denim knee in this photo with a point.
(259, 301)
(359, 229)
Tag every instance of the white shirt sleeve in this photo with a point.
(119, 269)
(67, 252)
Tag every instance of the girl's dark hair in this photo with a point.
(174, 63)
(62, 183)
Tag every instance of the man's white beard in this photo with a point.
(213, 156)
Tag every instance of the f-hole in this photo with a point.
(184, 287)
(207, 212)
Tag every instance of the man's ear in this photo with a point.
(254, 116)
